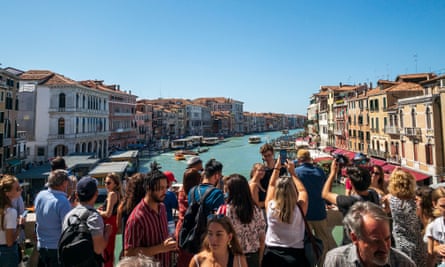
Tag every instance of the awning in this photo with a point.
(13, 162)
(418, 175)
(322, 159)
(378, 162)
(328, 149)
(388, 168)
(337, 151)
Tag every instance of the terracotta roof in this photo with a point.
(425, 76)
(403, 86)
(36, 75)
(47, 77)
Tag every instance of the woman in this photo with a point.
(257, 191)
(190, 179)
(424, 206)
(220, 247)
(406, 225)
(134, 192)
(246, 218)
(378, 180)
(10, 189)
(108, 211)
(285, 232)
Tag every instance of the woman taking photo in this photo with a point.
(10, 189)
(108, 211)
(246, 218)
(285, 232)
(220, 247)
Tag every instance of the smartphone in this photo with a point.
(283, 156)
(25, 213)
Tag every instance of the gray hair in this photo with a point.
(353, 221)
(138, 261)
(57, 177)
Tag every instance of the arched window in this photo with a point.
(61, 126)
(62, 102)
(428, 118)
(401, 119)
(413, 118)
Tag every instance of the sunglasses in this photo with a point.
(107, 183)
(213, 217)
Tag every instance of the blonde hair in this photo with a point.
(255, 166)
(286, 197)
(6, 185)
(402, 184)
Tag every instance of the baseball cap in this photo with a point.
(193, 160)
(86, 188)
(170, 176)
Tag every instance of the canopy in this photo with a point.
(378, 162)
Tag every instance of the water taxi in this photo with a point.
(179, 156)
(209, 141)
(254, 139)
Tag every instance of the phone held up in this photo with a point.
(283, 156)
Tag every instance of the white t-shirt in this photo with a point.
(436, 230)
(10, 223)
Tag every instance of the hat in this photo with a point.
(303, 154)
(170, 176)
(193, 160)
(86, 188)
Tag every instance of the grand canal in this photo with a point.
(236, 154)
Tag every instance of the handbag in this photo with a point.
(313, 246)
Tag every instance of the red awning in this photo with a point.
(328, 149)
(418, 175)
(316, 160)
(337, 151)
(349, 154)
(378, 162)
(388, 168)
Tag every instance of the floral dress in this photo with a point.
(407, 229)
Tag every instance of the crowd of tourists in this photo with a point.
(257, 221)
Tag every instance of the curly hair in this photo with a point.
(134, 192)
(402, 184)
(152, 179)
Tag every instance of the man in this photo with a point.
(360, 181)
(371, 240)
(58, 163)
(170, 202)
(313, 179)
(51, 206)
(267, 154)
(195, 163)
(86, 191)
(146, 231)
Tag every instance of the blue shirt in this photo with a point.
(170, 202)
(212, 202)
(313, 179)
(51, 206)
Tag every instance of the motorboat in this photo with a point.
(254, 139)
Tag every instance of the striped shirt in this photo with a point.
(147, 227)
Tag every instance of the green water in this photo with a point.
(236, 155)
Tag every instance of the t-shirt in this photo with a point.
(170, 202)
(313, 179)
(10, 222)
(212, 202)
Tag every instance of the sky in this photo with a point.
(271, 55)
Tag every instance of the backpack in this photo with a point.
(195, 222)
(76, 243)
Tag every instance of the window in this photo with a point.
(401, 118)
(62, 103)
(403, 149)
(40, 151)
(415, 150)
(428, 118)
(429, 154)
(413, 118)
(61, 126)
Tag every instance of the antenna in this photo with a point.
(415, 60)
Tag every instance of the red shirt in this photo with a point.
(147, 227)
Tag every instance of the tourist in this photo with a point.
(191, 178)
(195, 163)
(378, 180)
(257, 191)
(268, 156)
(87, 195)
(371, 240)
(286, 204)
(313, 178)
(134, 193)
(58, 163)
(108, 211)
(435, 231)
(170, 202)
(424, 206)
(146, 231)
(10, 226)
(220, 246)
(51, 206)
(138, 261)
(71, 190)
(406, 225)
(360, 181)
(247, 219)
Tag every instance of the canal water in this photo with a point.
(235, 153)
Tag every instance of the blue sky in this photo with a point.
(272, 55)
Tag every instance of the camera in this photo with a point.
(341, 159)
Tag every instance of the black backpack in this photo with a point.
(195, 222)
(76, 246)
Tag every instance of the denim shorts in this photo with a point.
(9, 255)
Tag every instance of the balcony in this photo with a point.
(392, 130)
(429, 133)
(395, 159)
(377, 153)
(412, 132)
(338, 132)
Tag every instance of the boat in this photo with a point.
(203, 149)
(180, 143)
(285, 131)
(188, 152)
(254, 139)
(179, 156)
(209, 141)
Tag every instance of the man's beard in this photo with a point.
(157, 199)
